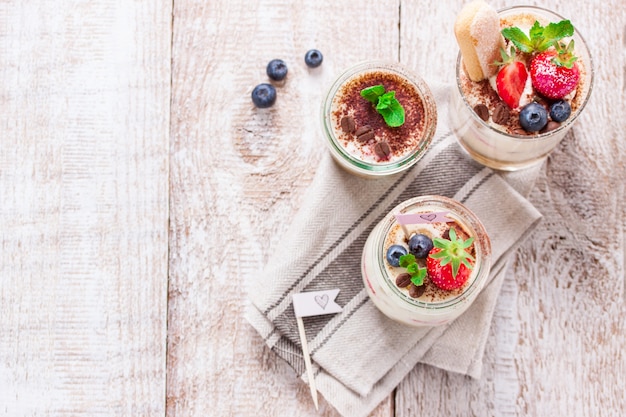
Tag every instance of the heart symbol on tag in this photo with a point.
(428, 217)
(322, 300)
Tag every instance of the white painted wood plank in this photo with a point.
(238, 174)
(558, 331)
(84, 169)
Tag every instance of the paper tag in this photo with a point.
(421, 218)
(316, 303)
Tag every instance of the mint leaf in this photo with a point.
(371, 94)
(539, 38)
(385, 100)
(418, 278)
(406, 260)
(395, 117)
(558, 31)
(386, 104)
(412, 268)
(518, 38)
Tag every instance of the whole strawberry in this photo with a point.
(449, 264)
(554, 73)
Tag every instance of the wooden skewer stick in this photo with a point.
(307, 361)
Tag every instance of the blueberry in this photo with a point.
(394, 253)
(276, 69)
(264, 95)
(420, 245)
(560, 111)
(313, 58)
(533, 117)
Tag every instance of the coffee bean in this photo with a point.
(501, 114)
(347, 124)
(403, 280)
(482, 111)
(550, 126)
(364, 134)
(382, 150)
(415, 291)
(363, 129)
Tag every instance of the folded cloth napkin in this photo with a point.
(359, 355)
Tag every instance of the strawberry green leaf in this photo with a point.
(454, 252)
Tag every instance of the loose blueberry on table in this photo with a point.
(264, 95)
(276, 69)
(313, 58)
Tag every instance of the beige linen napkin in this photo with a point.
(359, 355)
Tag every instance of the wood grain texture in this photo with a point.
(83, 167)
(238, 174)
(142, 192)
(558, 331)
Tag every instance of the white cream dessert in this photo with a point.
(515, 115)
(379, 119)
(404, 266)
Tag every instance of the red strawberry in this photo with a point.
(511, 79)
(554, 73)
(449, 265)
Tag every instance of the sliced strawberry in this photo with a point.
(449, 264)
(554, 74)
(511, 79)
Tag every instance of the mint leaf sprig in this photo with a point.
(418, 274)
(539, 38)
(386, 104)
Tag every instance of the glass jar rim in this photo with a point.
(461, 214)
(428, 131)
(589, 72)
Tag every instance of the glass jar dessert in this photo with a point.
(512, 114)
(378, 119)
(426, 261)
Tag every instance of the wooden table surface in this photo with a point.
(141, 191)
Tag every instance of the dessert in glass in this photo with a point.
(523, 77)
(426, 261)
(378, 119)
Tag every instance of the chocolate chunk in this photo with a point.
(501, 114)
(382, 150)
(415, 291)
(403, 280)
(347, 124)
(482, 111)
(364, 134)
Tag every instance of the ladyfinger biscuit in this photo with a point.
(477, 31)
